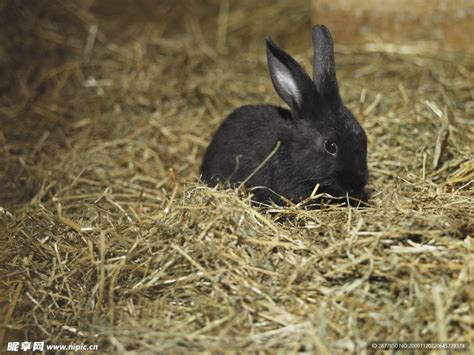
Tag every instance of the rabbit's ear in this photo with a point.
(324, 67)
(291, 82)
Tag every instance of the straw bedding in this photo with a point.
(109, 238)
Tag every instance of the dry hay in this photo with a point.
(108, 238)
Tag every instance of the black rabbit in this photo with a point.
(278, 152)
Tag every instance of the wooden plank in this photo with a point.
(421, 25)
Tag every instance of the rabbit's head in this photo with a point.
(329, 146)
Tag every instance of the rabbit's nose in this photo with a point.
(360, 180)
(356, 180)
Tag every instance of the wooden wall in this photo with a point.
(410, 25)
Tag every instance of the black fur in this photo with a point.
(250, 135)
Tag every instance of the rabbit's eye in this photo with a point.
(330, 147)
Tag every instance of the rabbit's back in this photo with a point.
(242, 142)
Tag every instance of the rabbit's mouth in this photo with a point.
(338, 190)
(355, 197)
